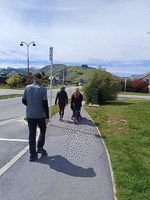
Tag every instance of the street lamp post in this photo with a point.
(21, 44)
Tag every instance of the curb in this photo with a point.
(110, 166)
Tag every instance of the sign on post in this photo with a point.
(51, 59)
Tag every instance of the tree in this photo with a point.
(12, 81)
(140, 86)
(45, 77)
(108, 86)
(101, 68)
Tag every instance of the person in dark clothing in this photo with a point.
(62, 98)
(35, 98)
(76, 104)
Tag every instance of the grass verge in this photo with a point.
(10, 96)
(15, 88)
(134, 93)
(125, 128)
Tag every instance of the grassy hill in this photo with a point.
(73, 73)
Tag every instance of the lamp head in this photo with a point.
(21, 44)
(34, 44)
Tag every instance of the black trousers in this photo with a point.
(32, 124)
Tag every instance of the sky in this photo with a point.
(110, 33)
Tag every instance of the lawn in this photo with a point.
(135, 93)
(10, 96)
(7, 87)
(125, 128)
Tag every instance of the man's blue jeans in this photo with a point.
(32, 124)
(76, 112)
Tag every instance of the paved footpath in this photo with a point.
(76, 167)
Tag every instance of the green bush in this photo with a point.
(12, 81)
(3, 79)
(108, 86)
(140, 86)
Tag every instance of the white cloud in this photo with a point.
(80, 31)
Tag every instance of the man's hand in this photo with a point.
(46, 121)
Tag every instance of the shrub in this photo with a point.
(3, 79)
(140, 86)
(108, 86)
(12, 81)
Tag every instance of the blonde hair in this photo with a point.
(77, 93)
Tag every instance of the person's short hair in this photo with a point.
(62, 87)
(37, 76)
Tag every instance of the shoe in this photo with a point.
(33, 157)
(60, 119)
(41, 150)
(75, 121)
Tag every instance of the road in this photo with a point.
(13, 132)
(133, 96)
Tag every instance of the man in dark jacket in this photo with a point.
(76, 103)
(35, 98)
(62, 98)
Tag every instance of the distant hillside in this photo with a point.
(32, 69)
(74, 73)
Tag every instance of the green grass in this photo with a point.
(134, 93)
(125, 128)
(7, 87)
(10, 96)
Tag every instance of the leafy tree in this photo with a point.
(140, 86)
(45, 77)
(108, 86)
(12, 81)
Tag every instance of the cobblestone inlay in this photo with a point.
(82, 143)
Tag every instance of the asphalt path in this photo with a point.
(76, 167)
(13, 132)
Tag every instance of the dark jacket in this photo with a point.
(77, 102)
(62, 98)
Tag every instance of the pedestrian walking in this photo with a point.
(62, 98)
(35, 98)
(76, 104)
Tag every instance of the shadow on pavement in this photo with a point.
(81, 121)
(61, 164)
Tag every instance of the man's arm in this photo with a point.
(24, 102)
(45, 106)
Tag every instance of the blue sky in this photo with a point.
(111, 33)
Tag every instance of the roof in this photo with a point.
(144, 75)
(136, 77)
(24, 73)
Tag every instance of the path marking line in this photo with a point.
(9, 164)
(19, 155)
(13, 140)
